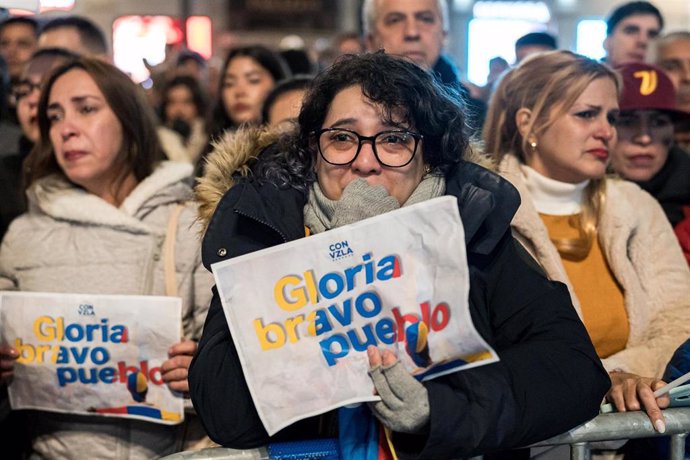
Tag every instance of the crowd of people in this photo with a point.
(571, 175)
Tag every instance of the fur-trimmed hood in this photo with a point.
(234, 154)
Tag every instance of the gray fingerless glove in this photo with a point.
(404, 405)
(360, 201)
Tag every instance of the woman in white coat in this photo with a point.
(550, 128)
(100, 203)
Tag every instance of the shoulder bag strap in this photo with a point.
(169, 251)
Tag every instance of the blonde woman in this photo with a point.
(550, 128)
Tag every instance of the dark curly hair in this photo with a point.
(400, 87)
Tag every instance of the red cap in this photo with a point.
(648, 87)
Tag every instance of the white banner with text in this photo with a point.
(303, 313)
(92, 354)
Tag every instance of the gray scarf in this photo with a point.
(360, 201)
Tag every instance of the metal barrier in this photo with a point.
(624, 425)
(604, 427)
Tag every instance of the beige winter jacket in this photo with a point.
(73, 241)
(645, 258)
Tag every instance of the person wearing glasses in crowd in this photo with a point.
(377, 133)
(25, 95)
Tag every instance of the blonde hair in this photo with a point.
(547, 84)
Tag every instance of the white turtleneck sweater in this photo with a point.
(553, 197)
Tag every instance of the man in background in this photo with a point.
(534, 42)
(76, 34)
(673, 55)
(18, 40)
(417, 30)
(630, 29)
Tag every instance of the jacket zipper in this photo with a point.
(263, 222)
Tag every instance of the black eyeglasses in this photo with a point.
(23, 88)
(395, 148)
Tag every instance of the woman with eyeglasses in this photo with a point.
(376, 133)
(551, 126)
